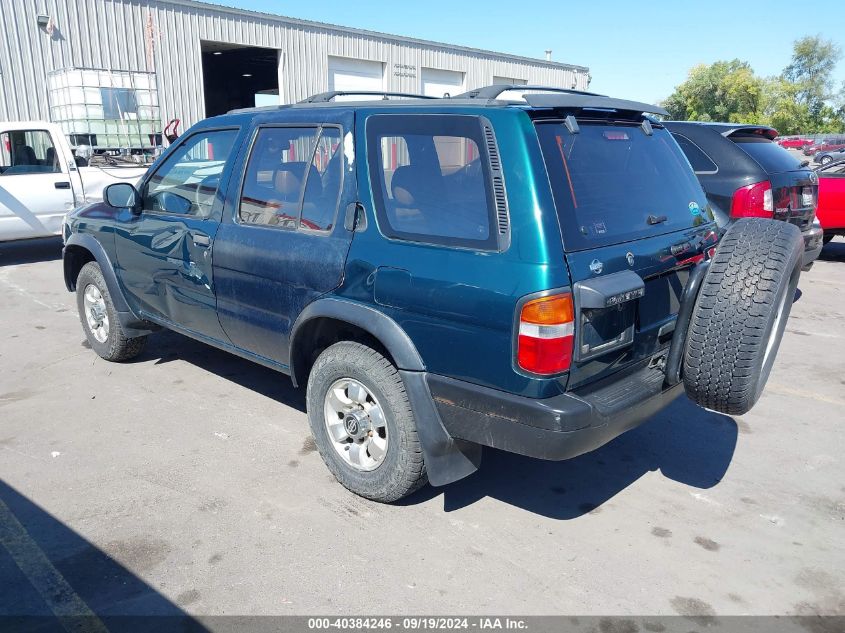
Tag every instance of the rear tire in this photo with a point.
(98, 315)
(390, 468)
(826, 238)
(740, 314)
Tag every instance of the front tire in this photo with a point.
(98, 315)
(362, 423)
(740, 314)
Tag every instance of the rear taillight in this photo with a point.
(753, 201)
(546, 329)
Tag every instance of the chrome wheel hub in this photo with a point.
(356, 424)
(96, 314)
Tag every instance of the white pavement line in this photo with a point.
(4, 279)
(60, 597)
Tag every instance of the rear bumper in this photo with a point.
(812, 243)
(555, 428)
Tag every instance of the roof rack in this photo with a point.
(324, 97)
(494, 90)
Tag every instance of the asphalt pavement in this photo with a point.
(187, 482)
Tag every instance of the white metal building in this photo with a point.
(113, 72)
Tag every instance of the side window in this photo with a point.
(188, 181)
(431, 179)
(320, 201)
(700, 161)
(281, 161)
(28, 152)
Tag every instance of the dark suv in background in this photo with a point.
(745, 173)
(537, 275)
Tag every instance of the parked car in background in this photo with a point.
(793, 142)
(40, 180)
(831, 209)
(746, 174)
(826, 144)
(536, 275)
(830, 156)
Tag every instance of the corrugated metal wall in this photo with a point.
(164, 36)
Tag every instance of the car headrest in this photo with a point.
(289, 178)
(25, 155)
(403, 184)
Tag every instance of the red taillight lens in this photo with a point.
(753, 201)
(546, 329)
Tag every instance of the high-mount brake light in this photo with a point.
(546, 334)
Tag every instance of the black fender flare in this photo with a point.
(132, 323)
(379, 325)
(446, 459)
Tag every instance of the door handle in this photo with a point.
(62, 185)
(202, 240)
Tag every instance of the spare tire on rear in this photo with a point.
(740, 314)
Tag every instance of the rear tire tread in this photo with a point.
(733, 316)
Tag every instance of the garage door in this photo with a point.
(355, 74)
(436, 82)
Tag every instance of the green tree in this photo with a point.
(811, 73)
(781, 108)
(722, 91)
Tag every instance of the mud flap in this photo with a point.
(446, 459)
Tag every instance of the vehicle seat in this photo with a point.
(282, 206)
(415, 190)
(25, 155)
(51, 159)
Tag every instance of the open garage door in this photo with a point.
(437, 83)
(355, 74)
(238, 76)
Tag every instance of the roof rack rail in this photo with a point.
(324, 97)
(494, 90)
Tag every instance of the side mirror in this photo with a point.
(121, 195)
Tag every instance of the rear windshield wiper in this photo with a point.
(656, 219)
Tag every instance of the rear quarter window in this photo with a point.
(430, 178)
(701, 162)
(768, 154)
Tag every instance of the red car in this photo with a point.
(824, 145)
(794, 142)
(831, 206)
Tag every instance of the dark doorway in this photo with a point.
(233, 75)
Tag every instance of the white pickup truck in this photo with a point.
(40, 180)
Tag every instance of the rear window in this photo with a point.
(614, 183)
(768, 154)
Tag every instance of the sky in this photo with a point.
(633, 50)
